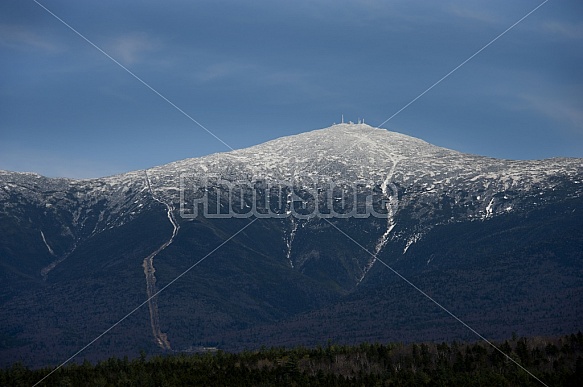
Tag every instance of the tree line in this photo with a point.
(555, 361)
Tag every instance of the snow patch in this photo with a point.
(289, 241)
(413, 239)
(489, 210)
(46, 244)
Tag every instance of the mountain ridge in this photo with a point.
(117, 240)
(277, 148)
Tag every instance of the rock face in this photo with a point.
(310, 230)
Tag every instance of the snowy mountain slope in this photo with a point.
(62, 238)
(429, 184)
(344, 152)
(349, 152)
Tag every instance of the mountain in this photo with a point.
(295, 241)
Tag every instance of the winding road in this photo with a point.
(149, 271)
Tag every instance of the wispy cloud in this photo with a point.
(130, 48)
(481, 15)
(23, 38)
(564, 111)
(565, 29)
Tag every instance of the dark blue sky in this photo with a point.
(255, 71)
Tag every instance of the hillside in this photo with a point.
(288, 243)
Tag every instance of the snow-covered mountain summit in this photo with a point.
(343, 152)
(350, 152)
(361, 151)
